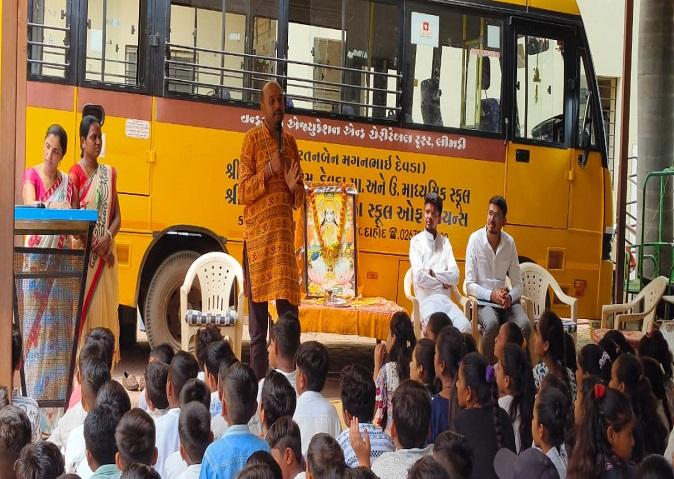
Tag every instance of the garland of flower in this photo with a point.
(331, 252)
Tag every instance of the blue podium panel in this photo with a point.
(49, 279)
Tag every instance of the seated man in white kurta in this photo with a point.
(434, 269)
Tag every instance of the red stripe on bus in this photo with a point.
(50, 95)
(231, 118)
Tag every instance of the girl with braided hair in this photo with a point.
(516, 391)
(604, 440)
(392, 366)
(551, 412)
(481, 421)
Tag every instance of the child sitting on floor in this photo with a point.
(216, 353)
(508, 333)
(325, 459)
(39, 460)
(219, 423)
(285, 442)
(29, 405)
(135, 438)
(453, 452)
(225, 457)
(15, 433)
(358, 393)
(422, 366)
(278, 399)
(550, 346)
(449, 349)
(436, 323)
(195, 390)
(314, 413)
(164, 354)
(550, 417)
(99, 438)
(195, 436)
(156, 376)
(205, 337)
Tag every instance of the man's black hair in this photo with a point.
(240, 393)
(499, 201)
(278, 397)
(195, 390)
(313, 361)
(156, 376)
(411, 414)
(434, 199)
(286, 334)
(358, 392)
(99, 434)
(184, 366)
(135, 437)
(194, 429)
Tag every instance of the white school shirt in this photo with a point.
(70, 420)
(219, 426)
(315, 414)
(486, 270)
(504, 402)
(174, 466)
(75, 449)
(192, 472)
(394, 465)
(167, 439)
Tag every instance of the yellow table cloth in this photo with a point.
(368, 317)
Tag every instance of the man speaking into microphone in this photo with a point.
(270, 186)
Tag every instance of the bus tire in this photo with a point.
(162, 304)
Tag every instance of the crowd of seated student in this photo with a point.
(434, 409)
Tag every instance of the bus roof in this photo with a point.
(561, 6)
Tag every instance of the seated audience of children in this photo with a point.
(422, 366)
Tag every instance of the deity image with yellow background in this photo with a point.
(330, 240)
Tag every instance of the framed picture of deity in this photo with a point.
(328, 255)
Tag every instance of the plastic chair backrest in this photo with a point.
(408, 284)
(217, 273)
(651, 295)
(536, 281)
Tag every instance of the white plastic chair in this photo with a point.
(623, 313)
(536, 281)
(469, 306)
(217, 274)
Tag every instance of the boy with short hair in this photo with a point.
(227, 456)
(219, 423)
(325, 459)
(314, 413)
(15, 433)
(195, 390)
(28, 404)
(99, 437)
(278, 399)
(285, 442)
(411, 423)
(358, 401)
(39, 460)
(183, 367)
(164, 354)
(75, 415)
(94, 373)
(216, 353)
(156, 376)
(135, 438)
(284, 341)
(195, 436)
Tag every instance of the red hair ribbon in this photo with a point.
(599, 391)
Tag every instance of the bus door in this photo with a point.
(540, 127)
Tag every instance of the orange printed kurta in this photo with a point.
(269, 229)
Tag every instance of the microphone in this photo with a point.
(279, 135)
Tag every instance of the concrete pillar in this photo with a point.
(656, 115)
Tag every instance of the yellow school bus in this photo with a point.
(469, 98)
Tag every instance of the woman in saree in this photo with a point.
(95, 187)
(48, 304)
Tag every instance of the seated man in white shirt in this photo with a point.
(490, 256)
(434, 269)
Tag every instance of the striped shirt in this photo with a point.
(380, 443)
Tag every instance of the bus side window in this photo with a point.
(587, 137)
(112, 41)
(49, 39)
(343, 57)
(455, 69)
(224, 54)
(540, 89)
